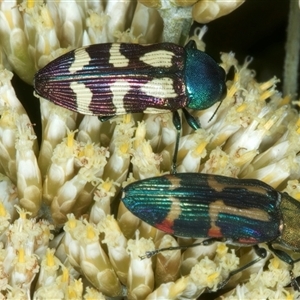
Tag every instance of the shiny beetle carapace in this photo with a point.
(114, 79)
(241, 212)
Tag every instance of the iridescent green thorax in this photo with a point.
(290, 235)
(205, 80)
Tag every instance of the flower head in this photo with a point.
(72, 238)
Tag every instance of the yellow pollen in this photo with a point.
(236, 77)
(23, 214)
(275, 263)
(71, 293)
(90, 232)
(289, 296)
(222, 249)
(267, 178)
(297, 196)
(50, 259)
(21, 255)
(8, 18)
(72, 223)
(298, 130)
(200, 148)
(231, 91)
(127, 118)
(285, 100)
(124, 148)
(106, 185)
(70, 140)
(265, 95)
(30, 3)
(266, 85)
(2, 210)
(212, 276)
(65, 275)
(241, 108)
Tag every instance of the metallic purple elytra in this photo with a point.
(114, 79)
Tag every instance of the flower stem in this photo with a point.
(290, 76)
(177, 23)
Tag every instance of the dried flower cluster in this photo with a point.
(89, 245)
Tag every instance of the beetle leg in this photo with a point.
(289, 260)
(105, 118)
(260, 252)
(193, 123)
(177, 124)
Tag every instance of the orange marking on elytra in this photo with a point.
(248, 241)
(215, 232)
(166, 226)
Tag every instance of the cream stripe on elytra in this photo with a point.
(219, 207)
(158, 58)
(116, 58)
(85, 95)
(119, 89)
(153, 110)
(159, 88)
(175, 210)
(81, 59)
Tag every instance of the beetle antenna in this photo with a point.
(149, 254)
(215, 111)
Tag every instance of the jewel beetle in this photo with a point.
(243, 212)
(114, 79)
